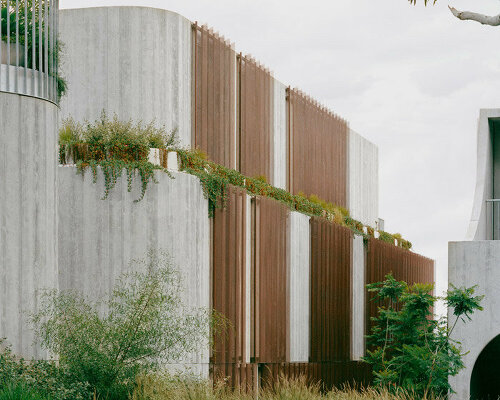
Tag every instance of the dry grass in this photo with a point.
(164, 387)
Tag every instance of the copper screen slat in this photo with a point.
(229, 277)
(384, 258)
(214, 96)
(331, 253)
(317, 150)
(241, 376)
(256, 119)
(271, 281)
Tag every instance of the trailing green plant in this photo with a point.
(108, 343)
(114, 146)
(408, 349)
(215, 179)
(113, 169)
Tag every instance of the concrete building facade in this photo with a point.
(475, 261)
(56, 231)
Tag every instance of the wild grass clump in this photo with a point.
(166, 387)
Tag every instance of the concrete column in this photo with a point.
(358, 298)
(299, 278)
(133, 61)
(28, 230)
(363, 179)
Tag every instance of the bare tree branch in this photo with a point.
(481, 18)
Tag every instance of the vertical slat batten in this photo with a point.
(8, 46)
(26, 42)
(46, 50)
(33, 48)
(16, 77)
(39, 65)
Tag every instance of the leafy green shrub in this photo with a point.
(408, 349)
(144, 323)
(44, 379)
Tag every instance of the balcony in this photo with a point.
(29, 48)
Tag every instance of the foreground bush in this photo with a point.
(107, 344)
(35, 380)
(408, 348)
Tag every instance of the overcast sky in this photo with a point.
(410, 79)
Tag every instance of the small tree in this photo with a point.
(408, 349)
(144, 324)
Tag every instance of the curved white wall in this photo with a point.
(132, 61)
(28, 229)
(475, 263)
(98, 238)
(480, 222)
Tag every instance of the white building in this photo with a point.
(476, 261)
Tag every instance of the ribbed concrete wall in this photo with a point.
(280, 135)
(28, 230)
(470, 264)
(358, 298)
(98, 238)
(300, 271)
(132, 61)
(363, 179)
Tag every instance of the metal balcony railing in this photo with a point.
(29, 48)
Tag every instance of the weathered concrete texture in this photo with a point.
(480, 222)
(363, 179)
(280, 135)
(98, 238)
(134, 61)
(28, 229)
(475, 263)
(358, 298)
(299, 273)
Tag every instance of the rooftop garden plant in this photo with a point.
(114, 146)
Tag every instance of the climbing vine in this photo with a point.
(215, 178)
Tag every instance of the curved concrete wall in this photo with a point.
(98, 238)
(363, 179)
(480, 222)
(475, 263)
(132, 61)
(28, 230)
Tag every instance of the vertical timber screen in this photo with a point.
(384, 258)
(317, 150)
(230, 285)
(214, 96)
(331, 255)
(229, 276)
(255, 145)
(270, 294)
